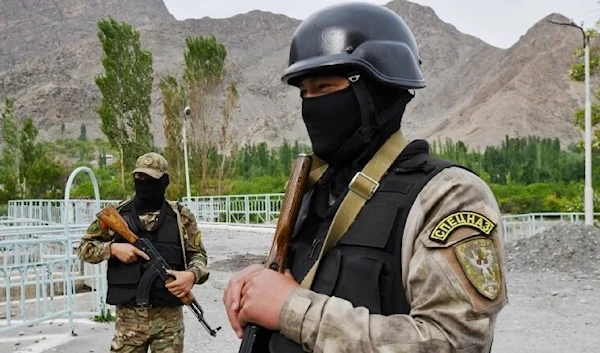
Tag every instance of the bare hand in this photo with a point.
(263, 297)
(183, 283)
(233, 294)
(126, 252)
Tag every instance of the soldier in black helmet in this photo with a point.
(394, 250)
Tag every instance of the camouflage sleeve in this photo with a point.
(195, 252)
(452, 273)
(95, 244)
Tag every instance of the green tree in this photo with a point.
(41, 175)
(173, 105)
(82, 132)
(27, 169)
(10, 152)
(46, 178)
(102, 158)
(126, 88)
(30, 151)
(203, 75)
(226, 135)
(577, 73)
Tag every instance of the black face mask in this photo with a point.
(330, 121)
(150, 193)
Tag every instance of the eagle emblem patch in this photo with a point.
(479, 261)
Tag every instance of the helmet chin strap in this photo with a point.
(368, 112)
(364, 134)
(371, 120)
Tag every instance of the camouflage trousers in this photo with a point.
(137, 329)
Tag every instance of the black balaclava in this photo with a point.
(150, 193)
(330, 121)
(347, 127)
(343, 123)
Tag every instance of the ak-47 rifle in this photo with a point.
(155, 267)
(256, 338)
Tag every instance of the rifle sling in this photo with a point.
(362, 187)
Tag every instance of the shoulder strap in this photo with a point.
(362, 187)
(317, 169)
(119, 205)
(176, 206)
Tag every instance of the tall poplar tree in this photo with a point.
(126, 88)
(203, 75)
(173, 105)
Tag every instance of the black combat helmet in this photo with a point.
(370, 38)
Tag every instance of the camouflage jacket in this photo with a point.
(453, 275)
(95, 243)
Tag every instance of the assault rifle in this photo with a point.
(256, 338)
(155, 267)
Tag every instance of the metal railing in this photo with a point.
(51, 211)
(39, 265)
(42, 279)
(524, 226)
(40, 232)
(41, 275)
(259, 209)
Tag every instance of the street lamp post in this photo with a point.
(187, 112)
(589, 191)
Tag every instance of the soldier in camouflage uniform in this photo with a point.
(173, 230)
(421, 268)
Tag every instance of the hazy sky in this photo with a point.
(499, 23)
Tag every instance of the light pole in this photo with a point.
(187, 111)
(589, 191)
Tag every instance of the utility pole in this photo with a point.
(589, 191)
(187, 111)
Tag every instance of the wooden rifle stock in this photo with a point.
(256, 338)
(110, 217)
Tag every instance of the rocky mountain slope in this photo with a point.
(49, 54)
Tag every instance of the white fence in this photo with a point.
(258, 210)
(39, 266)
(527, 225)
(51, 211)
(41, 278)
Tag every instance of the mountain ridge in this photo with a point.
(475, 92)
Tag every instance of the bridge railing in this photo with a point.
(523, 226)
(51, 211)
(41, 277)
(257, 210)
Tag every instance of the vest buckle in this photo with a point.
(363, 185)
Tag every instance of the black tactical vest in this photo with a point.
(365, 266)
(123, 278)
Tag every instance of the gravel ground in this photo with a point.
(549, 311)
(565, 248)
